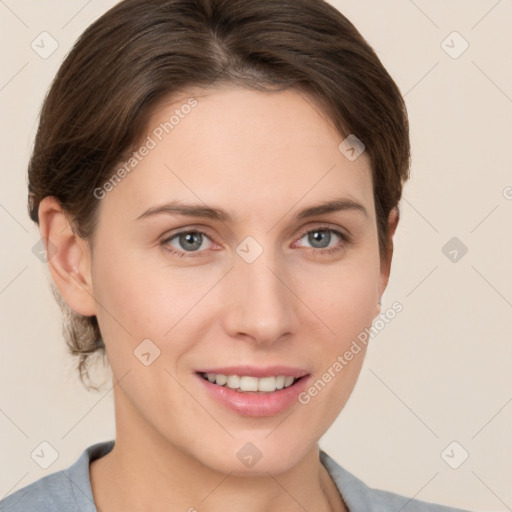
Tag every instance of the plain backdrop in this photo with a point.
(436, 386)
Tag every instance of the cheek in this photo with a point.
(139, 299)
(343, 296)
(122, 289)
(344, 299)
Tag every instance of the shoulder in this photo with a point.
(68, 490)
(359, 497)
(51, 492)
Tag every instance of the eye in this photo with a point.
(192, 242)
(187, 241)
(323, 238)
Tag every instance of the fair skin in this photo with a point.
(261, 157)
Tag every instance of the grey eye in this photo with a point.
(319, 238)
(188, 241)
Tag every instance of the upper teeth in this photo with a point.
(246, 383)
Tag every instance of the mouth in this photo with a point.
(254, 391)
(251, 384)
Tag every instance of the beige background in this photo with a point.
(439, 372)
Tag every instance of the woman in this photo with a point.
(218, 185)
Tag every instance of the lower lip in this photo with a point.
(256, 404)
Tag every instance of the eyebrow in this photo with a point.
(203, 211)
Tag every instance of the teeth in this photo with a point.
(249, 383)
(221, 380)
(246, 383)
(233, 381)
(267, 384)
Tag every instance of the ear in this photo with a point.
(387, 256)
(68, 256)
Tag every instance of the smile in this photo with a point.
(255, 391)
(246, 383)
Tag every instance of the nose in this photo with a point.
(259, 302)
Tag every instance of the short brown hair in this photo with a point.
(142, 51)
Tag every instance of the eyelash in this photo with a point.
(345, 241)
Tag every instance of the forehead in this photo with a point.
(241, 148)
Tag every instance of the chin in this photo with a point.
(254, 457)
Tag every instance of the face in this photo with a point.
(210, 249)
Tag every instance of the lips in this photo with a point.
(254, 391)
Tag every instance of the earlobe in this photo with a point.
(69, 260)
